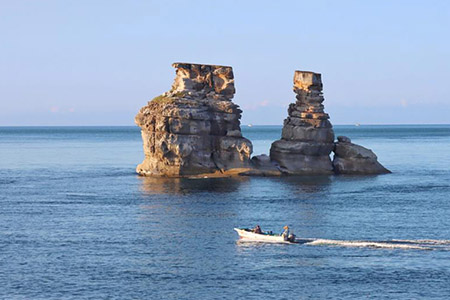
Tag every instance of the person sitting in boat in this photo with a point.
(257, 229)
(291, 238)
(285, 233)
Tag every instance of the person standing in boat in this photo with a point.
(285, 233)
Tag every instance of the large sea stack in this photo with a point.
(194, 129)
(307, 137)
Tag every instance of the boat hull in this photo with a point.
(247, 235)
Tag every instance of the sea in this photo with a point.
(77, 222)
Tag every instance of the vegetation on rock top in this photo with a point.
(167, 99)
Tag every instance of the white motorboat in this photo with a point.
(248, 235)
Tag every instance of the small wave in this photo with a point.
(367, 244)
(80, 194)
(7, 181)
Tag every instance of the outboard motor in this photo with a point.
(291, 238)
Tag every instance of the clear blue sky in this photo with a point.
(97, 62)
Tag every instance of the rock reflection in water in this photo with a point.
(183, 186)
(307, 184)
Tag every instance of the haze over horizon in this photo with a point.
(97, 63)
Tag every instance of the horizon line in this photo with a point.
(242, 125)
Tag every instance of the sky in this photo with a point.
(93, 62)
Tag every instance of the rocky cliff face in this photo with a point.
(194, 128)
(354, 159)
(307, 137)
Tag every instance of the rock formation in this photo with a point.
(307, 136)
(354, 159)
(194, 128)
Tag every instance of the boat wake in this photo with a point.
(426, 242)
(391, 244)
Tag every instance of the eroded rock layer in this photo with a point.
(307, 136)
(194, 128)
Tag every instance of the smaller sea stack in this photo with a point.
(307, 136)
(353, 159)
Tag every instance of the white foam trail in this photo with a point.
(428, 242)
(367, 244)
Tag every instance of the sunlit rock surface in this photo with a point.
(194, 129)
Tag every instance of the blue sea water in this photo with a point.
(76, 222)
